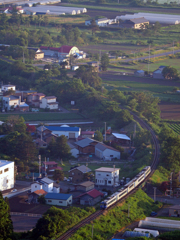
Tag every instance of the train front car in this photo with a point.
(103, 205)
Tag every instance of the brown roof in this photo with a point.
(102, 147)
(40, 192)
(86, 184)
(50, 97)
(176, 207)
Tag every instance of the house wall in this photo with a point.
(107, 153)
(77, 176)
(39, 55)
(59, 202)
(52, 106)
(7, 176)
(87, 150)
(174, 212)
(56, 190)
(74, 152)
(140, 25)
(88, 200)
(5, 89)
(8, 103)
(48, 187)
(106, 178)
(66, 133)
(85, 189)
(36, 186)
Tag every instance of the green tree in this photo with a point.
(41, 199)
(58, 175)
(170, 73)
(94, 27)
(98, 136)
(104, 62)
(59, 148)
(6, 226)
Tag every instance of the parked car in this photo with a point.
(153, 214)
(14, 190)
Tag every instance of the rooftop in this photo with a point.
(4, 163)
(50, 97)
(46, 180)
(176, 207)
(87, 132)
(106, 169)
(8, 85)
(103, 147)
(81, 168)
(86, 184)
(138, 20)
(65, 129)
(93, 193)
(59, 196)
(40, 192)
(41, 128)
(85, 142)
(121, 136)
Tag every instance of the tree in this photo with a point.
(59, 148)
(41, 199)
(98, 136)
(94, 27)
(58, 175)
(6, 226)
(170, 73)
(104, 62)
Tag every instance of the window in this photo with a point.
(60, 202)
(35, 186)
(72, 173)
(69, 200)
(109, 182)
(49, 200)
(7, 181)
(107, 175)
(6, 170)
(111, 155)
(99, 174)
(1, 172)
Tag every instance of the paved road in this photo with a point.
(10, 195)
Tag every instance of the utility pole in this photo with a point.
(92, 229)
(99, 60)
(128, 210)
(154, 194)
(171, 184)
(23, 57)
(173, 47)
(45, 166)
(149, 59)
(105, 132)
(33, 177)
(39, 165)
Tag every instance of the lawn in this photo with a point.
(44, 116)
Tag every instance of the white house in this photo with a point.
(11, 101)
(59, 199)
(107, 176)
(103, 151)
(6, 88)
(6, 175)
(46, 184)
(49, 102)
(69, 132)
(101, 22)
(74, 150)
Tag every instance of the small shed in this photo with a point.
(121, 138)
(59, 199)
(85, 186)
(139, 73)
(174, 211)
(90, 198)
(74, 150)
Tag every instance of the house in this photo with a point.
(101, 22)
(90, 198)
(139, 73)
(62, 52)
(87, 134)
(136, 23)
(33, 197)
(11, 9)
(86, 146)
(59, 199)
(50, 167)
(40, 143)
(43, 183)
(121, 139)
(85, 186)
(49, 137)
(6, 175)
(69, 132)
(49, 102)
(105, 152)
(107, 176)
(158, 73)
(22, 107)
(42, 131)
(6, 88)
(174, 211)
(74, 151)
(35, 99)
(39, 54)
(77, 173)
(11, 102)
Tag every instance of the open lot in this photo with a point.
(46, 116)
(23, 223)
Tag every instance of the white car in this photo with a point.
(14, 190)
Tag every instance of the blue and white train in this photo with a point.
(126, 189)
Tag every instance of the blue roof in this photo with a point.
(140, 71)
(58, 196)
(63, 129)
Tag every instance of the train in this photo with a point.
(126, 189)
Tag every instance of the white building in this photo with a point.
(46, 184)
(59, 199)
(6, 88)
(6, 175)
(49, 102)
(107, 176)
(69, 132)
(11, 101)
(74, 150)
(102, 22)
(105, 152)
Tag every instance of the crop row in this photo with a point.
(175, 127)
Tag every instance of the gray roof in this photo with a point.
(70, 145)
(102, 147)
(41, 128)
(106, 169)
(82, 168)
(138, 20)
(46, 180)
(11, 97)
(85, 142)
(86, 184)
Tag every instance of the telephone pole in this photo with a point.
(154, 194)
(149, 59)
(39, 165)
(105, 132)
(45, 166)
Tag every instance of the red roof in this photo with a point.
(44, 47)
(87, 132)
(50, 163)
(65, 49)
(93, 193)
(40, 192)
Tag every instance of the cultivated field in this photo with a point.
(170, 111)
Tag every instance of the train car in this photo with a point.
(126, 189)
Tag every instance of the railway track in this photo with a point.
(154, 164)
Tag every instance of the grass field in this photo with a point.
(44, 116)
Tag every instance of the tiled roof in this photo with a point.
(40, 192)
(82, 168)
(46, 180)
(58, 196)
(85, 142)
(103, 147)
(93, 193)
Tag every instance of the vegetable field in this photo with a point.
(175, 127)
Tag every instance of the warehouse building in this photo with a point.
(62, 52)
